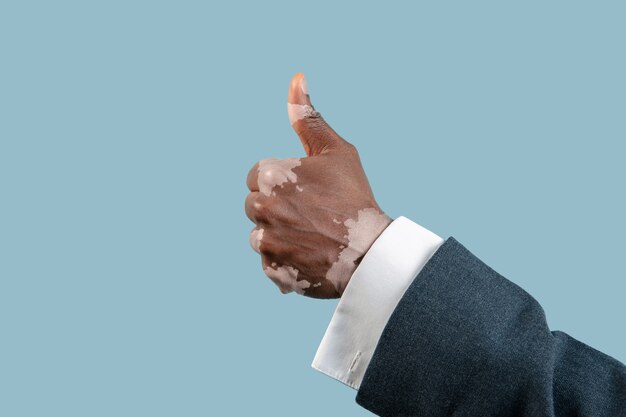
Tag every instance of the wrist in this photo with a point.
(362, 232)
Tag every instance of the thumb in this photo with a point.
(315, 134)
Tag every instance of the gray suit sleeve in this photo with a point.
(465, 341)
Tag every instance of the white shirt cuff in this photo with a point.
(374, 290)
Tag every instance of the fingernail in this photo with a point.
(297, 90)
(303, 85)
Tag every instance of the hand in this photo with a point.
(315, 217)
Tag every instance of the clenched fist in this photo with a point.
(315, 217)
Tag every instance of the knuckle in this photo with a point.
(252, 177)
(351, 148)
(269, 173)
(257, 207)
(249, 206)
(255, 239)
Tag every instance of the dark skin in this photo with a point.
(316, 216)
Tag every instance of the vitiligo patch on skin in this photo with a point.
(299, 188)
(274, 172)
(300, 111)
(255, 240)
(362, 232)
(285, 277)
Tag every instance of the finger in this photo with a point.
(256, 236)
(315, 134)
(256, 207)
(249, 205)
(269, 247)
(252, 180)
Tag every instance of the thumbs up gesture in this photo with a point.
(315, 216)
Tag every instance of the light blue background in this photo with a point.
(127, 284)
